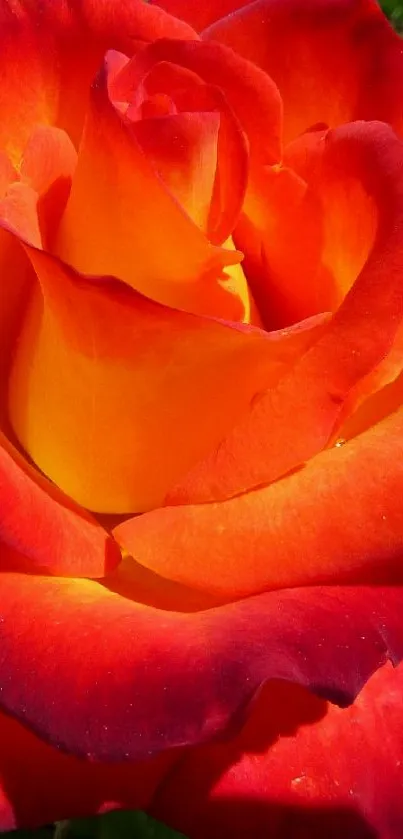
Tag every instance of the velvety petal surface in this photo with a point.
(299, 769)
(295, 421)
(305, 529)
(333, 60)
(137, 680)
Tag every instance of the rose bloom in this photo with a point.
(201, 471)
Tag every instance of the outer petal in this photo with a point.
(50, 52)
(123, 382)
(351, 58)
(46, 527)
(289, 425)
(299, 769)
(39, 784)
(137, 681)
(338, 519)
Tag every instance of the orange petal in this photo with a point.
(183, 150)
(121, 221)
(115, 396)
(312, 527)
(142, 77)
(288, 283)
(47, 166)
(295, 421)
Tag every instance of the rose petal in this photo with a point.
(200, 15)
(351, 58)
(122, 380)
(40, 785)
(314, 526)
(136, 681)
(183, 150)
(292, 423)
(47, 166)
(250, 92)
(298, 769)
(121, 220)
(47, 527)
(328, 209)
(51, 51)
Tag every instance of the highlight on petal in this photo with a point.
(338, 519)
(121, 220)
(45, 528)
(137, 681)
(351, 58)
(295, 421)
(114, 396)
(299, 768)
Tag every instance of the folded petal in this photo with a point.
(45, 527)
(351, 58)
(136, 681)
(338, 519)
(292, 423)
(16, 276)
(299, 768)
(47, 167)
(114, 396)
(122, 221)
(250, 92)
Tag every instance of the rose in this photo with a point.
(132, 378)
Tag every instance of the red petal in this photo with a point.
(51, 51)
(200, 15)
(119, 680)
(252, 95)
(39, 784)
(333, 60)
(299, 770)
(296, 420)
